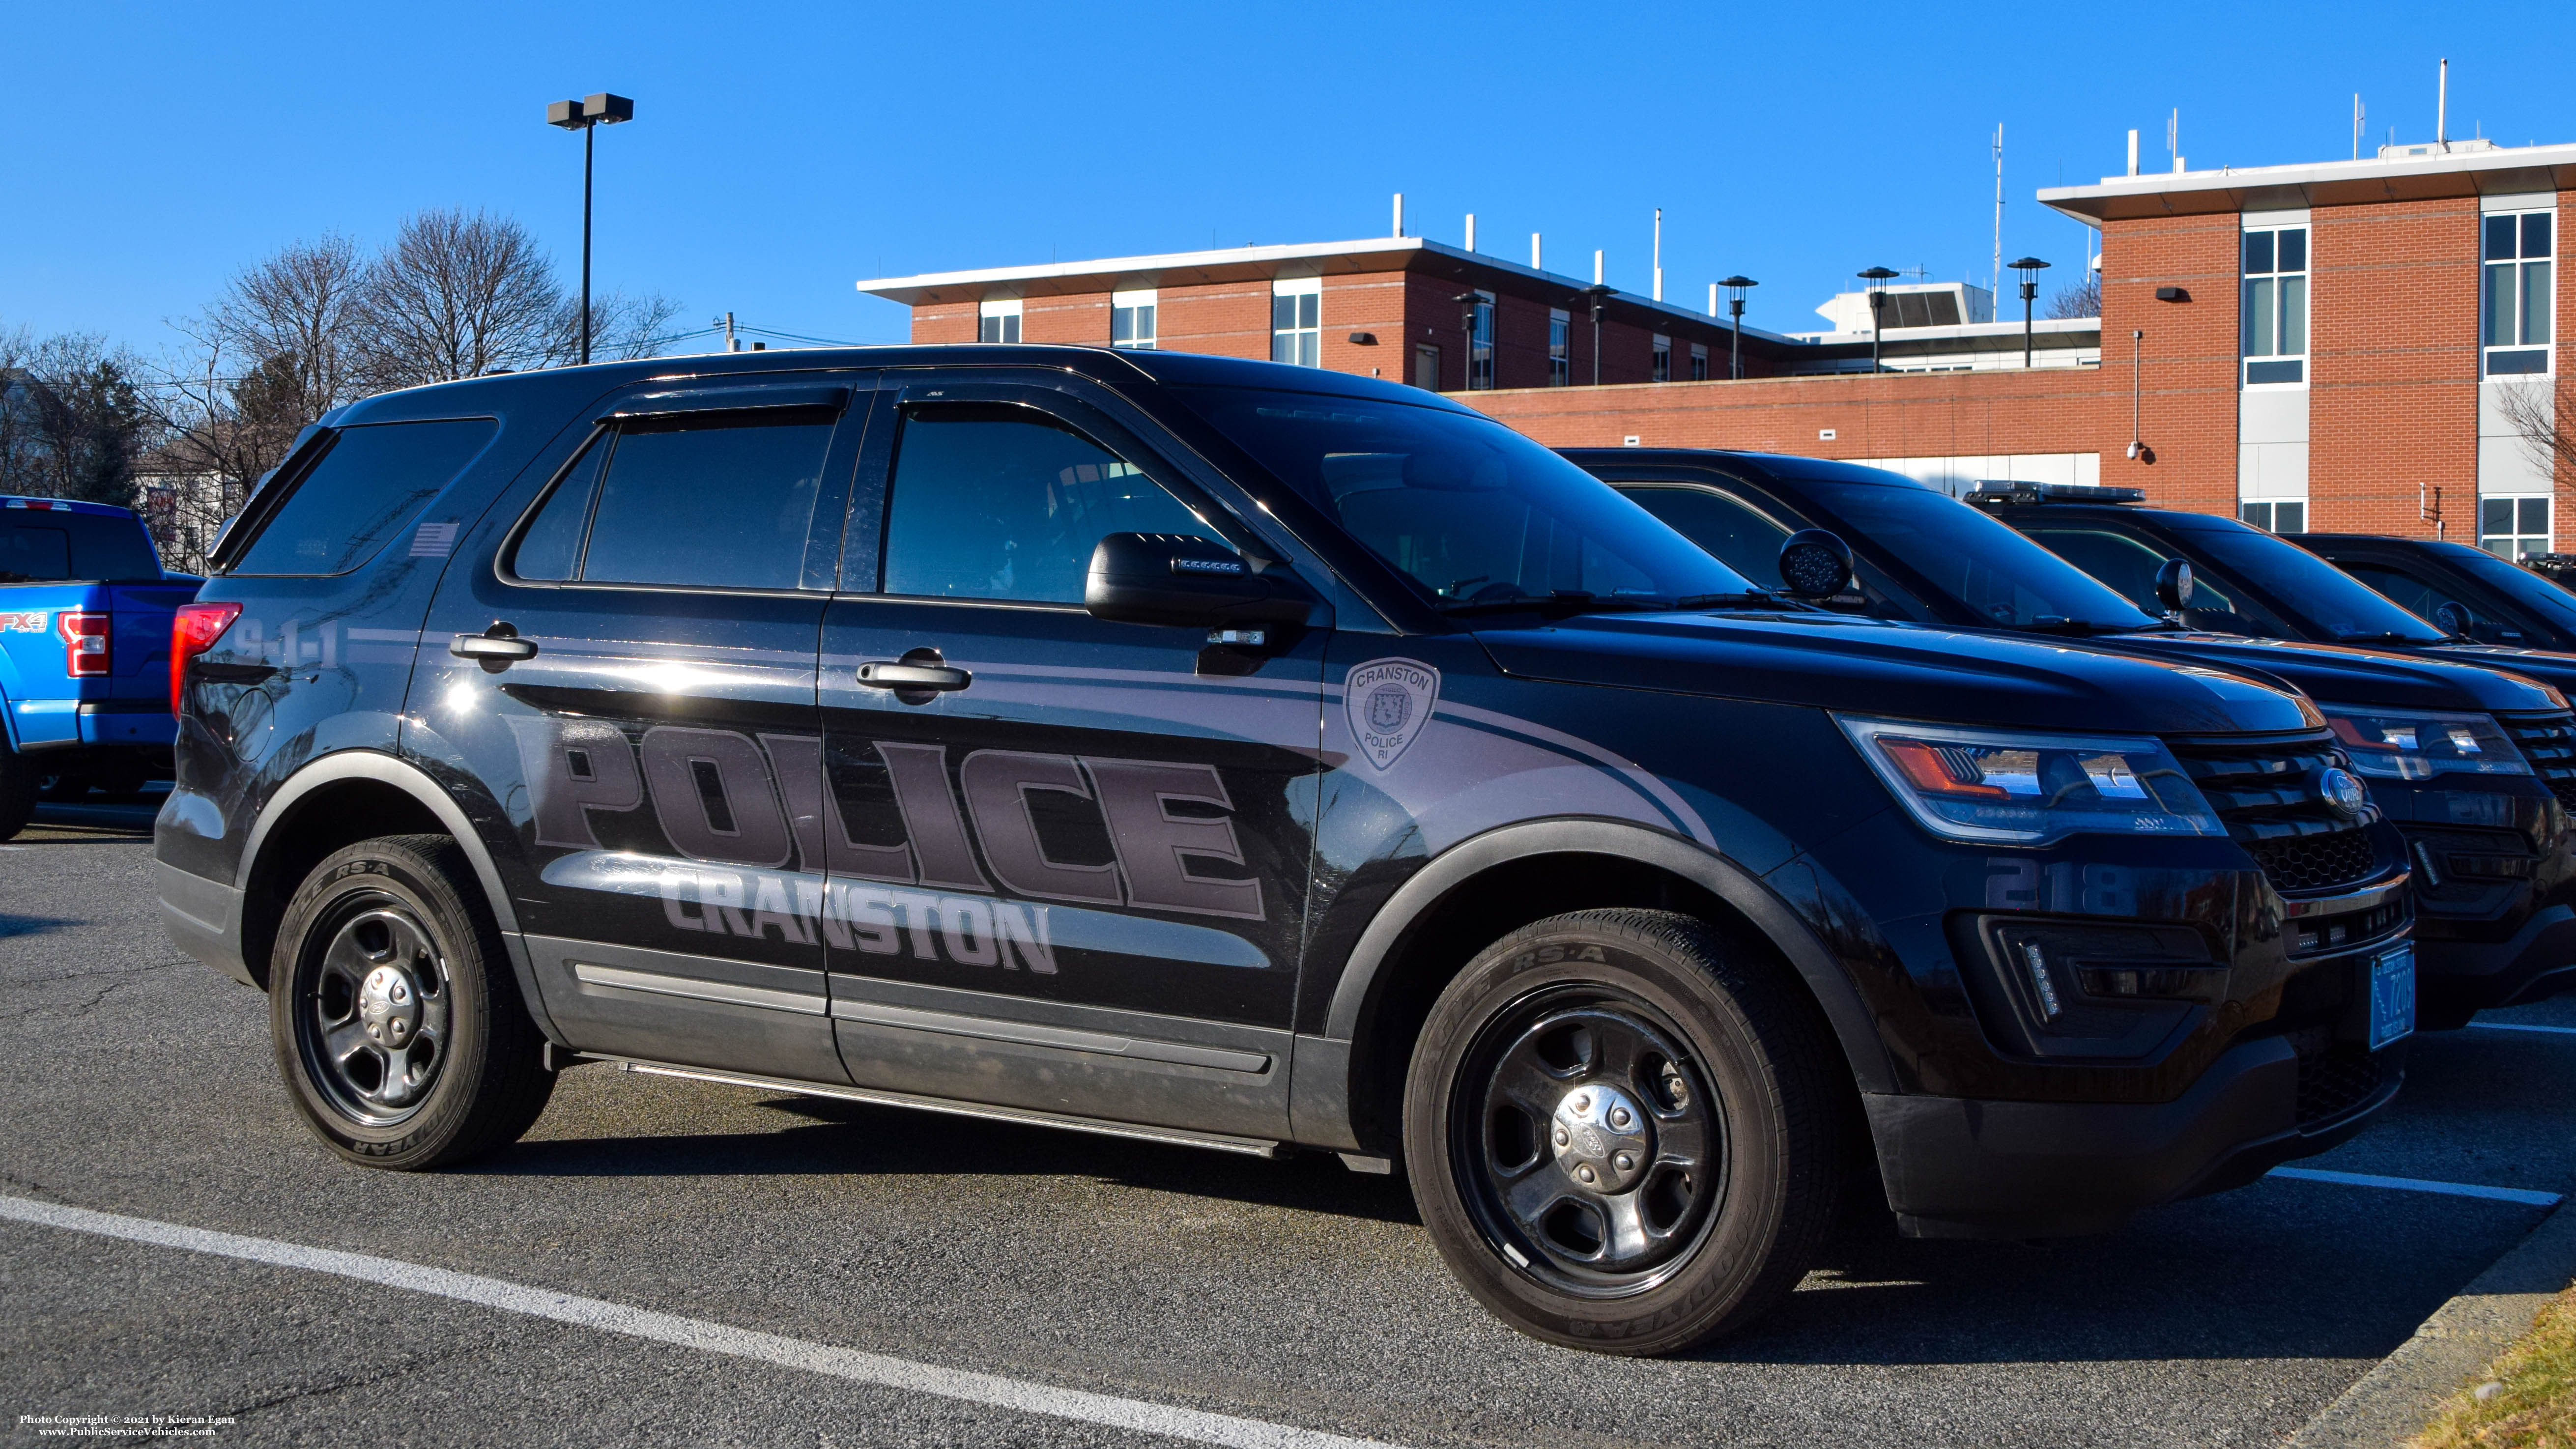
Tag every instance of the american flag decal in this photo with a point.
(433, 540)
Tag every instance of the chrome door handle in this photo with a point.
(896, 675)
(496, 648)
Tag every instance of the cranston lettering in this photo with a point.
(874, 920)
(725, 798)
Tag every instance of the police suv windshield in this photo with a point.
(1983, 563)
(2333, 603)
(2517, 583)
(1472, 513)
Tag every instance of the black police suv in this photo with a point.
(2520, 941)
(2468, 592)
(1245, 756)
(2449, 750)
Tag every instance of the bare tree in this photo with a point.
(622, 328)
(73, 417)
(2543, 416)
(2084, 299)
(458, 295)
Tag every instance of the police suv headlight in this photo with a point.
(2031, 789)
(2418, 744)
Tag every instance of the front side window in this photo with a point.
(1560, 349)
(692, 500)
(368, 485)
(1743, 537)
(2275, 311)
(1131, 320)
(998, 320)
(2513, 527)
(1480, 348)
(1663, 365)
(2275, 515)
(991, 501)
(1297, 321)
(1465, 509)
(2513, 292)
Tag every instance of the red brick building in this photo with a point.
(2322, 347)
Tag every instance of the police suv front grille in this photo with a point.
(2314, 862)
(2549, 742)
(2334, 1077)
(2267, 793)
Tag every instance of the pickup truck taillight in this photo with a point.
(84, 643)
(193, 630)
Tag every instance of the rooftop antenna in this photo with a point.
(2133, 153)
(1399, 213)
(1659, 254)
(1534, 254)
(2442, 110)
(2173, 138)
(1471, 231)
(2360, 118)
(1994, 278)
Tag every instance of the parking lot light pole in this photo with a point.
(1877, 278)
(586, 115)
(2030, 268)
(1735, 312)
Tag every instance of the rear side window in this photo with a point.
(700, 500)
(367, 487)
(76, 546)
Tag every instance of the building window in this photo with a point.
(2513, 527)
(2276, 516)
(2276, 305)
(999, 321)
(1663, 359)
(1699, 362)
(1131, 319)
(1297, 321)
(1480, 346)
(1560, 347)
(2513, 292)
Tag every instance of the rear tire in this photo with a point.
(17, 792)
(1623, 1134)
(397, 1022)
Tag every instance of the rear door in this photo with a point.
(649, 628)
(1077, 880)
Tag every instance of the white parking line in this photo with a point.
(697, 1333)
(2518, 1026)
(2417, 1184)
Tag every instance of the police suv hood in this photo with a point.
(2345, 674)
(2542, 665)
(1911, 671)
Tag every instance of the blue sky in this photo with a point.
(782, 152)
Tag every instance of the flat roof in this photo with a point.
(1249, 264)
(2487, 171)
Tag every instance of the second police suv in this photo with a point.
(1251, 757)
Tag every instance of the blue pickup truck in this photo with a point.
(85, 618)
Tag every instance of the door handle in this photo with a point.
(917, 677)
(496, 648)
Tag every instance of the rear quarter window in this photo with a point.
(369, 484)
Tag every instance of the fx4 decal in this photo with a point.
(24, 622)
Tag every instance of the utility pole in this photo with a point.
(726, 322)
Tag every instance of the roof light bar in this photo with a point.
(2000, 491)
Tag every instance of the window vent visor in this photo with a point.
(729, 399)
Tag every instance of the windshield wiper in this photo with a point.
(1580, 601)
(2388, 636)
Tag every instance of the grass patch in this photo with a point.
(2534, 1404)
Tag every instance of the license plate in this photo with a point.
(2392, 996)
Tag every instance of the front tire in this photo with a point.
(17, 792)
(397, 1023)
(1623, 1133)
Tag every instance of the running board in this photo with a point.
(1027, 1116)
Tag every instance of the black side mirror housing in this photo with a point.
(1187, 581)
(2173, 585)
(1815, 564)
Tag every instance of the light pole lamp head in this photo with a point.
(2027, 265)
(607, 109)
(1878, 277)
(567, 114)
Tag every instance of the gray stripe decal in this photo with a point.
(1031, 1034)
(698, 989)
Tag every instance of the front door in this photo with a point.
(1069, 857)
(643, 701)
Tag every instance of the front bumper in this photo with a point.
(1959, 1167)
(2464, 977)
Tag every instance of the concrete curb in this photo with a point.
(2395, 1400)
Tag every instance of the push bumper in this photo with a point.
(1957, 1167)
(2461, 977)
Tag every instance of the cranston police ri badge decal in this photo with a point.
(1389, 700)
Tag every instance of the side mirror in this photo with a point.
(1183, 580)
(1815, 564)
(2173, 585)
(2455, 618)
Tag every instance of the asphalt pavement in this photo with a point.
(1294, 1294)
